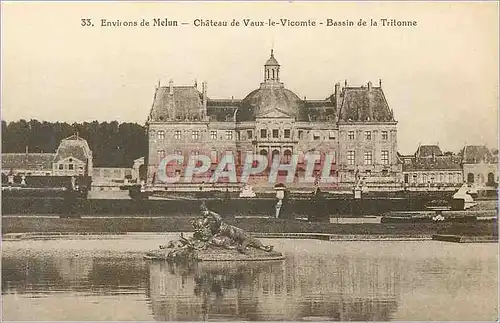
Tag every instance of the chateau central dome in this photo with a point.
(272, 99)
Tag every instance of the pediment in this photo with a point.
(274, 113)
(73, 160)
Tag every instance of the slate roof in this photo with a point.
(75, 147)
(428, 151)
(186, 101)
(264, 100)
(30, 161)
(438, 163)
(476, 154)
(361, 104)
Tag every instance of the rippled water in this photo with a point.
(105, 278)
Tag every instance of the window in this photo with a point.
(230, 166)
(287, 133)
(350, 157)
(161, 134)
(249, 134)
(161, 153)
(288, 156)
(229, 135)
(177, 135)
(275, 133)
(195, 135)
(385, 157)
(368, 158)
(350, 135)
(368, 135)
(263, 133)
(213, 156)
(70, 166)
(61, 166)
(384, 135)
(331, 135)
(238, 135)
(213, 134)
(316, 136)
(301, 134)
(178, 153)
(275, 154)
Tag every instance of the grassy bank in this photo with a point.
(182, 224)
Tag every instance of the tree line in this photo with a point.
(113, 144)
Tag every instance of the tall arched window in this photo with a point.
(275, 154)
(287, 156)
(470, 178)
(491, 179)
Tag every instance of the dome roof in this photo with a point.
(265, 100)
(272, 61)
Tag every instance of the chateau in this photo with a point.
(353, 124)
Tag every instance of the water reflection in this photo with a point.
(92, 275)
(83, 280)
(297, 288)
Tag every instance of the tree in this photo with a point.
(112, 144)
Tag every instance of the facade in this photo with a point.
(353, 124)
(110, 178)
(480, 166)
(73, 158)
(429, 167)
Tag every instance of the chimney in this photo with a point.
(345, 83)
(369, 86)
(204, 92)
(26, 149)
(171, 87)
(337, 95)
(380, 83)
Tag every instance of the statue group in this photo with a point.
(214, 239)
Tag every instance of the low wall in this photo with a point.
(266, 227)
(249, 207)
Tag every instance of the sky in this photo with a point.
(440, 77)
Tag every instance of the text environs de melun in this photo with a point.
(156, 22)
